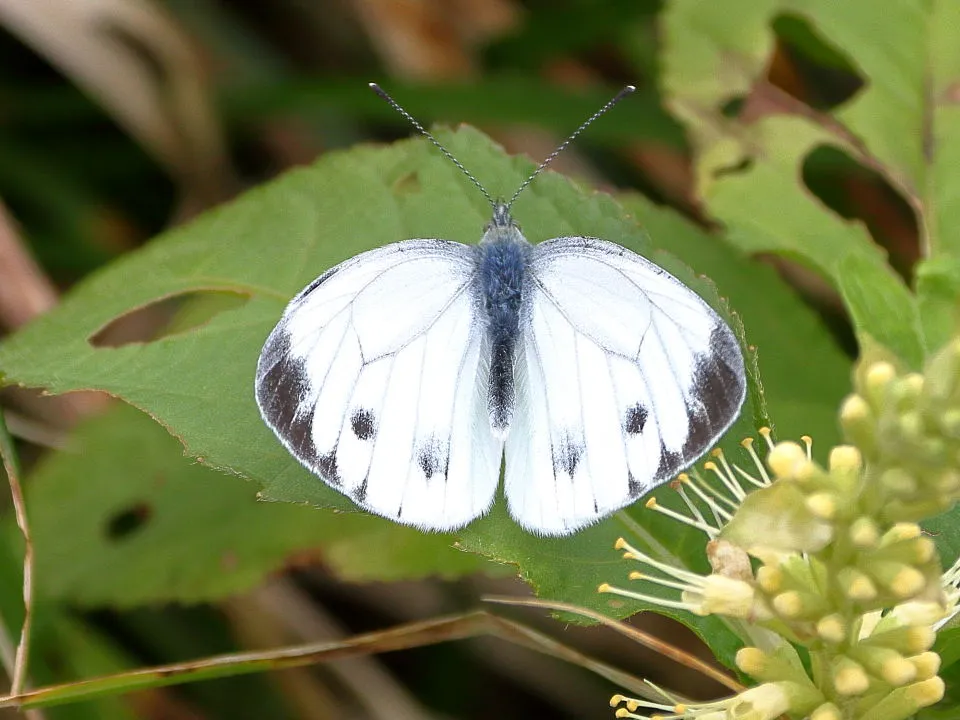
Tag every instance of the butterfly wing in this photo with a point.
(373, 380)
(624, 377)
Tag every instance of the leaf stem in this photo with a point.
(417, 634)
(10, 466)
(649, 641)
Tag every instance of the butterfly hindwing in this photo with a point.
(374, 380)
(624, 377)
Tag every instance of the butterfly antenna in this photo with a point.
(396, 106)
(563, 146)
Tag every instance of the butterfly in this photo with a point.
(406, 376)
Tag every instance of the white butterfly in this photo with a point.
(404, 376)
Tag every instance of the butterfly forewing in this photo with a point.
(625, 376)
(374, 380)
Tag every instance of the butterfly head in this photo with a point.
(501, 216)
(502, 228)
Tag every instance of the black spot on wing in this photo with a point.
(567, 455)
(282, 391)
(635, 419)
(433, 458)
(360, 493)
(634, 486)
(326, 465)
(717, 391)
(363, 424)
(670, 464)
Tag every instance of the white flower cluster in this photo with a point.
(829, 559)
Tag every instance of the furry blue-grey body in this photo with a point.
(503, 255)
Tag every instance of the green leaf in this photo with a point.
(945, 531)
(948, 647)
(198, 382)
(938, 294)
(903, 124)
(121, 518)
(870, 295)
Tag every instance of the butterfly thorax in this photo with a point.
(502, 263)
(503, 255)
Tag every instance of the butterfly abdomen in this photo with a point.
(501, 273)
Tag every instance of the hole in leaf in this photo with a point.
(809, 67)
(127, 522)
(165, 317)
(858, 193)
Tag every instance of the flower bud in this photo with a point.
(907, 392)
(856, 585)
(902, 580)
(924, 550)
(927, 664)
(827, 711)
(898, 671)
(789, 460)
(887, 664)
(832, 628)
(845, 459)
(915, 613)
(771, 700)
(909, 640)
(864, 532)
(877, 380)
(859, 423)
(720, 595)
(770, 579)
(822, 505)
(849, 677)
(753, 661)
(905, 702)
(795, 605)
(901, 531)
(916, 552)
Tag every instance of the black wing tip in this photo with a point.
(717, 395)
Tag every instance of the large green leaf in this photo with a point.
(120, 517)
(903, 124)
(264, 247)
